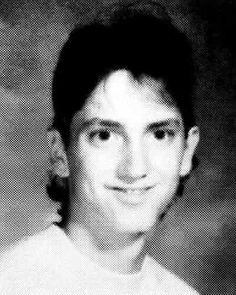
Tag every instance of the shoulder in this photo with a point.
(30, 249)
(169, 282)
(25, 264)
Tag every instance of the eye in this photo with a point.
(103, 135)
(163, 134)
(104, 138)
(159, 134)
(100, 135)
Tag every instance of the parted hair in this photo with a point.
(139, 38)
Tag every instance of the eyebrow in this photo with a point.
(170, 122)
(173, 123)
(100, 122)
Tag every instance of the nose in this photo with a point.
(133, 164)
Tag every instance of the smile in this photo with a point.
(129, 191)
(131, 196)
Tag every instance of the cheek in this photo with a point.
(101, 161)
(93, 164)
(167, 161)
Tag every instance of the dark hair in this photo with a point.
(139, 39)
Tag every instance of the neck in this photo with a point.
(117, 252)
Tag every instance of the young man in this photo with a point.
(124, 135)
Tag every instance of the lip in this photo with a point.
(131, 196)
(129, 189)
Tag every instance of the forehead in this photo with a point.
(120, 97)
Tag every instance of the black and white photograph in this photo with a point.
(117, 147)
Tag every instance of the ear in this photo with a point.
(190, 148)
(57, 154)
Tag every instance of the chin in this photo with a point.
(137, 226)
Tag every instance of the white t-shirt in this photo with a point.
(49, 264)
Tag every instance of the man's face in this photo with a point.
(127, 153)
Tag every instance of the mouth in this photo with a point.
(129, 191)
(131, 196)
